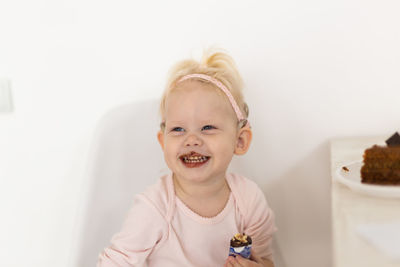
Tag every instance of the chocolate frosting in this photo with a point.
(240, 240)
(394, 140)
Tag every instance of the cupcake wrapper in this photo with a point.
(244, 251)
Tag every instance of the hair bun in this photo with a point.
(216, 63)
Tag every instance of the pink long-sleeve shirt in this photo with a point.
(160, 230)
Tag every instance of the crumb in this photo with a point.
(345, 169)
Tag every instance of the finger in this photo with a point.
(228, 262)
(234, 261)
(231, 262)
(254, 257)
(242, 261)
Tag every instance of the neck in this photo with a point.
(187, 189)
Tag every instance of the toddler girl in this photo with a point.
(190, 215)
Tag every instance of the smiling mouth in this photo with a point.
(193, 159)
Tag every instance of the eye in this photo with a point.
(208, 127)
(177, 129)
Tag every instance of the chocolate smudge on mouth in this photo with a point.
(193, 158)
(193, 154)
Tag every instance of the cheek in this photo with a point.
(225, 155)
(171, 148)
(225, 146)
(170, 156)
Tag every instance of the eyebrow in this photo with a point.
(203, 122)
(174, 122)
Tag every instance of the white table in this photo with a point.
(350, 209)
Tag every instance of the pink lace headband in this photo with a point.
(221, 86)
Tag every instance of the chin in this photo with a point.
(194, 177)
(197, 177)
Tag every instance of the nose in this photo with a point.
(193, 140)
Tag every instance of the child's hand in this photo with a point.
(240, 262)
(254, 261)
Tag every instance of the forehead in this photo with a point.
(191, 98)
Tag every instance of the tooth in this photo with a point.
(194, 159)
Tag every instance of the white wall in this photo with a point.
(313, 69)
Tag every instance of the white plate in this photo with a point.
(352, 178)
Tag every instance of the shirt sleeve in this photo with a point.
(260, 222)
(143, 228)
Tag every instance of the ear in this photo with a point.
(160, 137)
(243, 140)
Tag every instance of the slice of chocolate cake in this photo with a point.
(382, 163)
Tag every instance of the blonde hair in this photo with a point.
(215, 63)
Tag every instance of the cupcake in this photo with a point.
(240, 245)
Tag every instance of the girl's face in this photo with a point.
(201, 134)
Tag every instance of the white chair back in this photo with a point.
(124, 159)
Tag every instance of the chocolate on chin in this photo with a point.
(240, 245)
